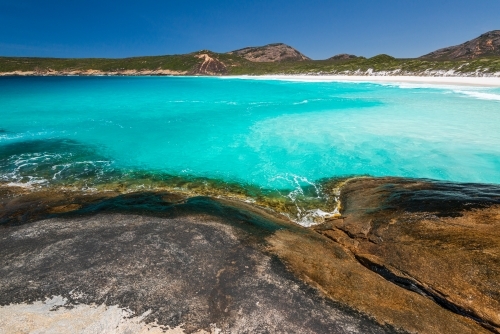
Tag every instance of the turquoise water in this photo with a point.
(263, 134)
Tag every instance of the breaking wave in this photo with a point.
(481, 95)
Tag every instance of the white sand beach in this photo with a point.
(420, 80)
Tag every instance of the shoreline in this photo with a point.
(470, 81)
(492, 82)
(310, 213)
(62, 199)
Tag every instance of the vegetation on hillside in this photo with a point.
(480, 56)
(237, 65)
(181, 63)
(376, 64)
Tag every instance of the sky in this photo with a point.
(317, 28)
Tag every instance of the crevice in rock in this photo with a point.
(413, 285)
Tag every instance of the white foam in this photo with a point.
(297, 181)
(25, 168)
(407, 85)
(303, 102)
(261, 103)
(479, 95)
(306, 218)
(317, 216)
(20, 185)
(28, 134)
(11, 136)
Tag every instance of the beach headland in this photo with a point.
(407, 255)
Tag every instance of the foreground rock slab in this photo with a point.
(195, 272)
(398, 261)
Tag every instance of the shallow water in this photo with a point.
(265, 140)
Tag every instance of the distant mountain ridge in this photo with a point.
(486, 45)
(276, 52)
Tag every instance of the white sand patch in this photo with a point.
(51, 316)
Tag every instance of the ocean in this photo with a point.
(282, 144)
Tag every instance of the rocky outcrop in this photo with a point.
(486, 45)
(204, 264)
(198, 265)
(209, 66)
(436, 239)
(277, 52)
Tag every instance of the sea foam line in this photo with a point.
(479, 95)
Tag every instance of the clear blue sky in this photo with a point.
(318, 28)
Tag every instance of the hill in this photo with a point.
(277, 52)
(343, 56)
(203, 62)
(486, 45)
(270, 59)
